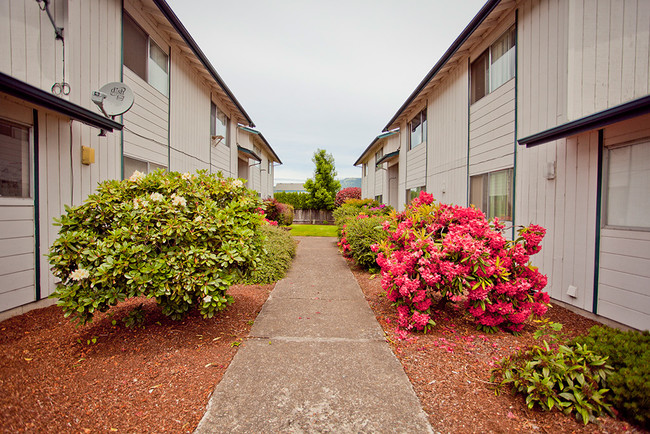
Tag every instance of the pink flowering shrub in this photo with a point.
(345, 194)
(451, 251)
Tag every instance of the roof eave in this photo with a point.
(628, 110)
(39, 97)
(370, 146)
(182, 31)
(460, 40)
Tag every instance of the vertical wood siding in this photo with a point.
(447, 141)
(566, 207)
(189, 117)
(609, 54)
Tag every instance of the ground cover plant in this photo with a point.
(449, 368)
(628, 353)
(313, 230)
(182, 239)
(279, 250)
(439, 252)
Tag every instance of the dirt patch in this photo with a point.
(449, 369)
(56, 377)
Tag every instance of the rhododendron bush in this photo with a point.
(182, 239)
(448, 252)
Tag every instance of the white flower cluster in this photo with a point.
(157, 197)
(207, 299)
(136, 176)
(178, 200)
(237, 183)
(137, 203)
(186, 176)
(79, 274)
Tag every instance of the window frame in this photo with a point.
(126, 17)
(378, 156)
(605, 184)
(415, 190)
(149, 165)
(214, 116)
(487, 58)
(422, 119)
(8, 200)
(485, 195)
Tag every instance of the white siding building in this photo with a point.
(540, 112)
(184, 118)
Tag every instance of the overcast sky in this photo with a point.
(323, 74)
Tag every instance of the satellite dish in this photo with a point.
(113, 99)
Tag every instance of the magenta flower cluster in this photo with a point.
(438, 250)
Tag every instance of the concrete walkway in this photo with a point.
(316, 360)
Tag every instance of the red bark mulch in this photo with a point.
(103, 377)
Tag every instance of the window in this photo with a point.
(628, 184)
(378, 156)
(219, 124)
(15, 160)
(379, 198)
(494, 66)
(364, 169)
(418, 128)
(492, 193)
(412, 193)
(144, 57)
(132, 164)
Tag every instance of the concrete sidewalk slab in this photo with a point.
(316, 360)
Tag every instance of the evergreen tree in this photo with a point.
(323, 187)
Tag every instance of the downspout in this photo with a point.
(599, 201)
(169, 111)
(122, 80)
(469, 104)
(426, 150)
(37, 212)
(514, 168)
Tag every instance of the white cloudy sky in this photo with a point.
(323, 73)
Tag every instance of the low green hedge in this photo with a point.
(629, 355)
(279, 251)
(360, 234)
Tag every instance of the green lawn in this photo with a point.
(313, 230)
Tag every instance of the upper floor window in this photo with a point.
(418, 128)
(492, 193)
(494, 66)
(628, 183)
(378, 156)
(364, 169)
(219, 123)
(144, 57)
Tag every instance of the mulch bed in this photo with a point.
(103, 377)
(449, 369)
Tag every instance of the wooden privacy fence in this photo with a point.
(312, 217)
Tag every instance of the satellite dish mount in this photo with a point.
(113, 99)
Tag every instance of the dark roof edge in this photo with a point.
(376, 139)
(471, 27)
(603, 118)
(180, 28)
(34, 95)
(259, 133)
(387, 157)
(249, 152)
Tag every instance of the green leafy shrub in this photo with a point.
(359, 235)
(571, 378)
(279, 249)
(181, 239)
(353, 207)
(629, 355)
(295, 199)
